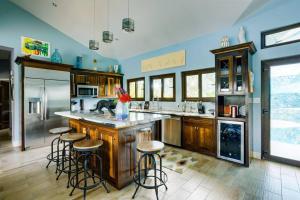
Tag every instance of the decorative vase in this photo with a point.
(122, 110)
(78, 62)
(56, 57)
(242, 35)
(116, 68)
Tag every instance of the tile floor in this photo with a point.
(23, 176)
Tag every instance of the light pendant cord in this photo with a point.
(94, 19)
(107, 15)
(128, 8)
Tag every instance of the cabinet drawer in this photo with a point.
(199, 121)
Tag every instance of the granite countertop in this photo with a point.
(178, 113)
(135, 118)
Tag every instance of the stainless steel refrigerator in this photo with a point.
(45, 92)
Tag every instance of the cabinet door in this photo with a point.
(224, 75)
(205, 140)
(80, 79)
(92, 79)
(110, 87)
(239, 75)
(188, 135)
(102, 83)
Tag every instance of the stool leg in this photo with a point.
(160, 167)
(51, 154)
(155, 180)
(139, 175)
(69, 171)
(101, 174)
(63, 161)
(145, 170)
(85, 176)
(57, 155)
(77, 171)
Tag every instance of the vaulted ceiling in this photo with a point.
(159, 23)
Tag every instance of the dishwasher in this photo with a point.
(171, 131)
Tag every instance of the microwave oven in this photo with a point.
(87, 91)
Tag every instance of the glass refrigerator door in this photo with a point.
(231, 141)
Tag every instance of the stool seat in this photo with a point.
(150, 146)
(71, 137)
(60, 130)
(87, 145)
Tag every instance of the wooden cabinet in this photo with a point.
(199, 135)
(232, 66)
(106, 81)
(234, 89)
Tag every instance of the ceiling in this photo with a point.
(159, 23)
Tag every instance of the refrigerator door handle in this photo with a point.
(45, 105)
(42, 104)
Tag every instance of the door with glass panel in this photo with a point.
(281, 110)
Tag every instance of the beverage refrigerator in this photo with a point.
(231, 137)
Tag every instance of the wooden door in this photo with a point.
(80, 79)
(92, 79)
(188, 135)
(206, 140)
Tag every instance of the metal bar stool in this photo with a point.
(88, 151)
(56, 131)
(150, 149)
(69, 138)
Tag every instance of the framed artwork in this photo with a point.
(30, 46)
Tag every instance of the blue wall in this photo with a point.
(16, 22)
(275, 14)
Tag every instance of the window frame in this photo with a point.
(276, 30)
(162, 77)
(136, 88)
(198, 72)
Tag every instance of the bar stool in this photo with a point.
(69, 138)
(149, 150)
(56, 131)
(88, 151)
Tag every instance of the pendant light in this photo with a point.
(128, 23)
(107, 36)
(94, 44)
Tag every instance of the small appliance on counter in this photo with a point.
(81, 104)
(73, 105)
(146, 105)
(201, 108)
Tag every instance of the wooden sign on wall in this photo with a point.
(170, 60)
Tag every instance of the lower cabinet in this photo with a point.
(199, 135)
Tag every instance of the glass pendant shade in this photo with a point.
(93, 45)
(128, 24)
(107, 36)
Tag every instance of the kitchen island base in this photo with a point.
(119, 148)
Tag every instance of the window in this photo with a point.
(198, 85)
(163, 87)
(136, 88)
(280, 36)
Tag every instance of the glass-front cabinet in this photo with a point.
(224, 75)
(230, 74)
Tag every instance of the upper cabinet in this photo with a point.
(106, 82)
(232, 65)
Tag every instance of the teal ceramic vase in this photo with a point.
(56, 57)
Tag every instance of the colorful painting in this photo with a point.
(30, 46)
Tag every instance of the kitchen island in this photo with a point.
(119, 139)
